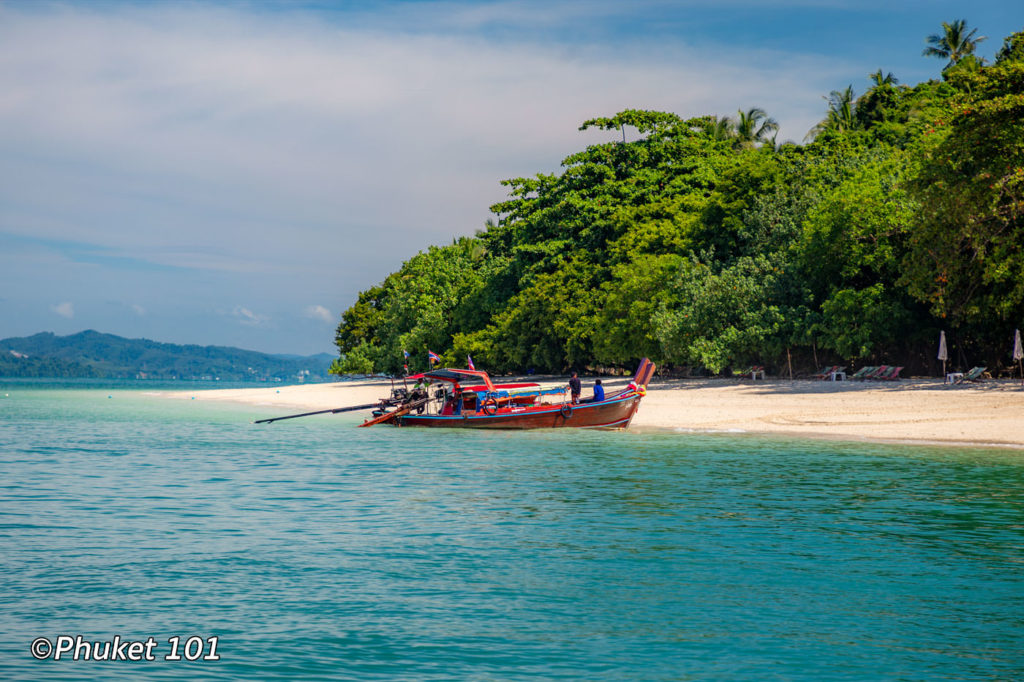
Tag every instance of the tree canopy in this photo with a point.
(706, 246)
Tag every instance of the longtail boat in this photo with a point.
(469, 399)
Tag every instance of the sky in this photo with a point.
(234, 173)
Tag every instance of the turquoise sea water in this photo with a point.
(315, 550)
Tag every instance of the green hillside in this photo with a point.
(90, 354)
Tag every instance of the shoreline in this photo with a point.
(911, 411)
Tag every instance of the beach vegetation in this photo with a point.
(704, 244)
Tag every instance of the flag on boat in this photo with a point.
(405, 353)
(433, 357)
(469, 362)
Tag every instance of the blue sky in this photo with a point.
(234, 173)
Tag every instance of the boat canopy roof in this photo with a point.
(457, 376)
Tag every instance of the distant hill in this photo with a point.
(90, 354)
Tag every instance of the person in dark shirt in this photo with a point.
(598, 391)
(576, 387)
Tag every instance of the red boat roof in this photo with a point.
(457, 376)
(478, 387)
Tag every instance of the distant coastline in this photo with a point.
(93, 355)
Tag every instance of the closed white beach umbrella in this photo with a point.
(943, 354)
(1018, 354)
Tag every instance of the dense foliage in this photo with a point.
(706, 245)
(90, 354)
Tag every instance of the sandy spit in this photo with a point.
(916, 410)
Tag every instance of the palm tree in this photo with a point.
(954, 43)
(879, 80)
(720, 129)
(841, 107)
(753, 126)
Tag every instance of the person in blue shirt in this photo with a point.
(598, 391)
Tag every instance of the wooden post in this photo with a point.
(789, 361)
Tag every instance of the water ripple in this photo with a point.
(318, 551)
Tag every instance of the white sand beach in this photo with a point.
(916, 410)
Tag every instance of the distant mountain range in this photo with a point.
(90, 354)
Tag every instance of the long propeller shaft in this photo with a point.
(353, 408)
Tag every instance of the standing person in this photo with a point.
(598, 391)
(576, 387)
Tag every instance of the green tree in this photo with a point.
(840, 117)
(699, 243)
(954, 43)
(719, 319)
(880, 80)
(360, 324)
(358, 360)
(850, 252)
(623, 329)
(1012, 49)
(720, 128)
(966, 259)
(753, 127)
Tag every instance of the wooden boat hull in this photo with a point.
(614, 413)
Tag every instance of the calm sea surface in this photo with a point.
(313, 550)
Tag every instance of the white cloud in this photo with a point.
(318, 312)
(65, 309)
(236, 141)
(213, 154)
(248, 317)
(139, 310)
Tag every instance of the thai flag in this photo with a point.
(405, 353)
(433, 357)
(469, 361)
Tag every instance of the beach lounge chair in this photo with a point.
(829, 372)
(825, 373)
(975, 375)
(890, 373)
(862, 372)
(878, 371)
(750, 373)
(893, 374)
